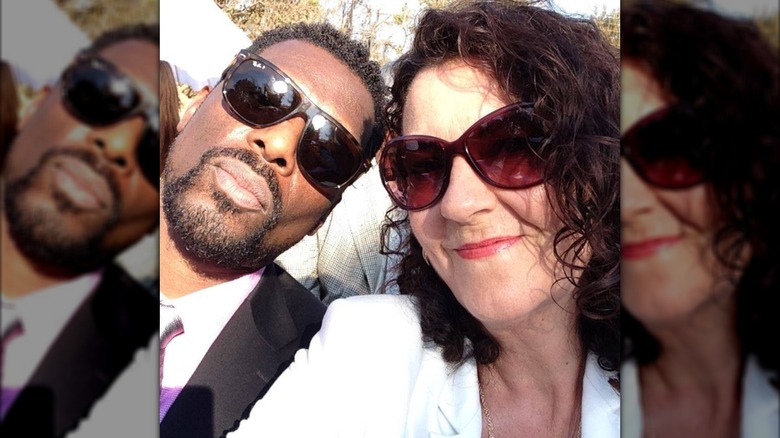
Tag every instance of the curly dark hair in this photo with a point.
(570, 72)
(352, 53)
(726, 71)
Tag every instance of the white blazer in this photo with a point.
(760, 402)
(367, 373)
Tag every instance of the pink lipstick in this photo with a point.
(486, 248)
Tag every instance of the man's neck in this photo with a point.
(180, 275)
(21, 275)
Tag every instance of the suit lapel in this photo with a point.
(253, 348)
(96, 345)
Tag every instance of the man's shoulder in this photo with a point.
(278, 290)
(123, 303)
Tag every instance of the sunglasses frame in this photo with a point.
(308, 109)
(148, 110)
(453, 148)
(630, 153)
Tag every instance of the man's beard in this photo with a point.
(205, 235)
(43, 235)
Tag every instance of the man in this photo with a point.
(79, 187)
(259, 162)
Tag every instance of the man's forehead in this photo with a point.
(136, 58)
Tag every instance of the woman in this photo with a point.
(508, 320)
(699, 251)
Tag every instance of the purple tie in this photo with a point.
(11, 331)
(170, 327)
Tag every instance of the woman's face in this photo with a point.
(493, 247)
(668, 264)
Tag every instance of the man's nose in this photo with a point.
(118, 143)
(278, 144)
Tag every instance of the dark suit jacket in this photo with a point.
(94, 347)
(279, 317)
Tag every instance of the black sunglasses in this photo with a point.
(95, 92)
(501, 147)
(260, 95)
(666, 148)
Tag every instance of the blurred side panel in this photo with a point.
(79, 192)
(700, 243)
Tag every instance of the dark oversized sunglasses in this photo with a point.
(666, 148)
(501, 147)
(95, 92)
(260, 95)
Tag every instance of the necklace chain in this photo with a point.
(489, 420)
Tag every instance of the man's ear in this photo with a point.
(28, 109)
(192, 107)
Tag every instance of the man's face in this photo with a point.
(75, 193)
(234, 196)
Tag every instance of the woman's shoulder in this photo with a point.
(387, 320)
(373, 311)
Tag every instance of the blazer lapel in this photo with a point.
(253, 348)
(760, 402)
(96, 345)
(459, 404)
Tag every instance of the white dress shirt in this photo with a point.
(203, 314)
(43, 313)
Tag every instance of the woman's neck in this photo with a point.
(535, 386)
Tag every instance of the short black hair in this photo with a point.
(352, 53)
(139, 31)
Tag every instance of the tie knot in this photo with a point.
(170, 324)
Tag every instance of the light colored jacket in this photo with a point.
(760, 411)
(367, 373)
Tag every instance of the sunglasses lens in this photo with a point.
(96, 94)
(503, 148)
(665, 152)
(325, 155)
(258, 95)
(413, 172)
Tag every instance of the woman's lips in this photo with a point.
(486, 248)
(646, 248)
(81, 184)
(245, 188)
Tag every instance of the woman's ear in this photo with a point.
(192, 107)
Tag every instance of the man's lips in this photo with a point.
(648, 247)
(242, 185)
(81, 184)
(487, 247)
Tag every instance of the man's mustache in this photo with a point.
(99, 166)
(243, 155)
